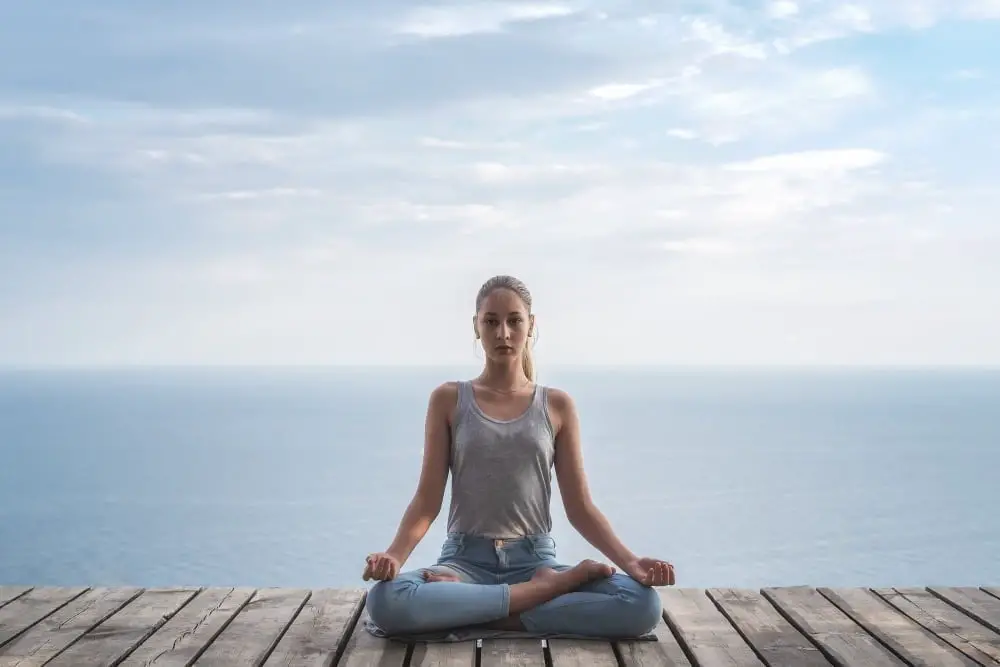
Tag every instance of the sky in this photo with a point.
(714, 182)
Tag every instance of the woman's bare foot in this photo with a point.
(430, 576)
(582, 572)
(591, 570)
(547, 584)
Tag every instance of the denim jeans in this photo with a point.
(615, 607)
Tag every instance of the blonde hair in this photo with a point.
(521, 290)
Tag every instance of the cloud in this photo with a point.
(621, 91)
(459, 19)
(781, 9)
(723, 183)
(819, 161)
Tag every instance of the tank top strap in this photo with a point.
(465, 397)
(540, 408)
(540, 399)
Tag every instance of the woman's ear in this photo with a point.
(475, 327)
(531, 325)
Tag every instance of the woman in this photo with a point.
(500, 436)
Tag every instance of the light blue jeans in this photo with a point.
(616, 607)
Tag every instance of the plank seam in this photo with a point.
(957, 632)
(408, 657)
(617, 651)
(968, 612)
(277, 640)
(153, 630)
(990, 593)
(97, 623)
(845, 608)
(678, 635)
(349, 629)
(14, 637)
(17, 597)
(800, 627)
(732, 622)
(232, 617)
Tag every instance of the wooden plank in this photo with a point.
(117, 636)
(666, 651)
(9, 593)
(364, 650)
(702, 629)
(902, 635)
(777, 642)
(32, 607)
(443, 654)
(50, 636)
(581, 653)
(256, 629)
(840, 638)
(947, 623)
(512, 653)
(320, 632)
(189, 631)
(978, 604)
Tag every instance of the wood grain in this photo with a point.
(186, 634)
(117, 636)
(33, 606)
(53, 634)
(775, 640)
(704, 631)
(842, 640)
(320, 632)
(255, 630)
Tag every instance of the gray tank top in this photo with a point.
(501, 471)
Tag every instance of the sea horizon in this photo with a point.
(171, 475)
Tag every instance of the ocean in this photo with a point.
(289, 477)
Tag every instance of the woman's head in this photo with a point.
(504, 322)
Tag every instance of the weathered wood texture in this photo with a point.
(717, 627)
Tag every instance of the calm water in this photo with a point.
(289, 477)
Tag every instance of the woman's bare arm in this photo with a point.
(581, 511)
(426, 503)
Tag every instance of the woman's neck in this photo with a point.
(504, 376)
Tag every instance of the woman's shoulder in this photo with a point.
(559, 401)
(444, 397)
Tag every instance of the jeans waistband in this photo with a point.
(468, 539)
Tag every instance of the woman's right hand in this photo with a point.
(381, 566)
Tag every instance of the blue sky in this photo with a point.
(734, 182)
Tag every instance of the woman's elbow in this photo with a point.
(580, 513)
(427, 508)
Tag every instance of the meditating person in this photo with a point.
(500, 436)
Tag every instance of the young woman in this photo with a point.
(500, 436)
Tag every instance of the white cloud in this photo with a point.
(781, 9)
(682, 133)
(818, 161)
(621, 91)
(722, 42)
(480, 17)
(725, 181)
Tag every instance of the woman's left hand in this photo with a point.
(651, 572)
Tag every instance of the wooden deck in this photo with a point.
(931, 627)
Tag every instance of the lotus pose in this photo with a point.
(500, 436)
